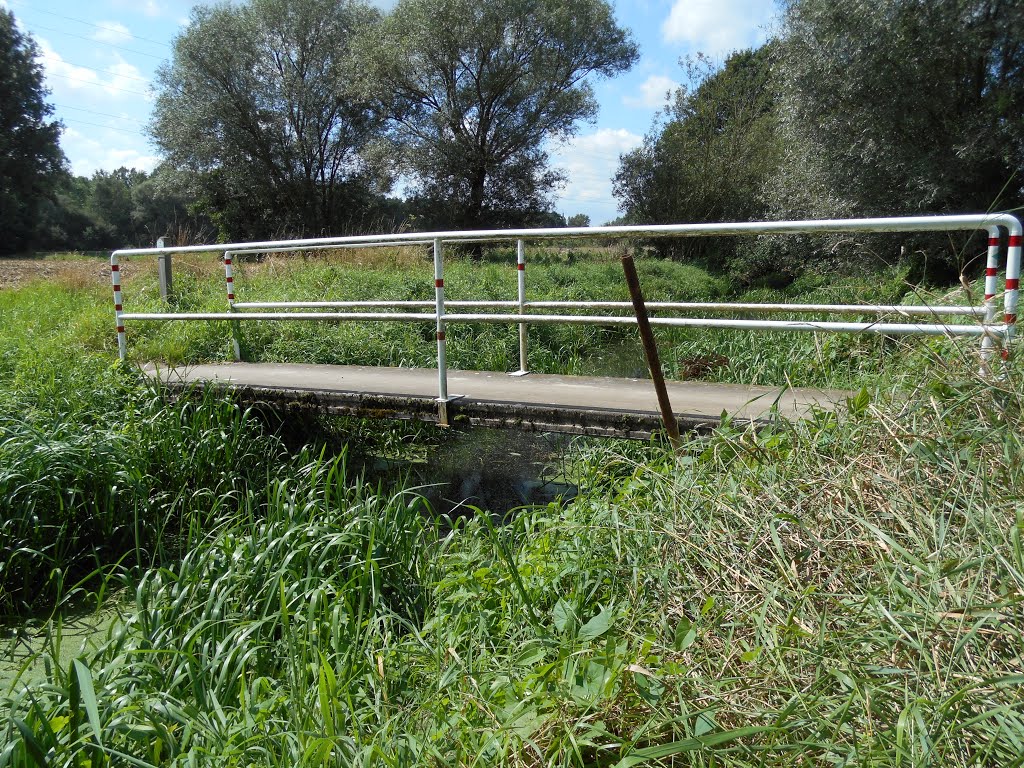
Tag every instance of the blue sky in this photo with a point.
(100, 58)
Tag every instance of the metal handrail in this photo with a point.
(991, 332)
(694, 306)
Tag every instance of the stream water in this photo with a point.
(458, 471)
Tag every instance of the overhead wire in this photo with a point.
(93, 40)
(98, 84)
(106, 71)
(99, 125)
(123, 31)
(103, 114)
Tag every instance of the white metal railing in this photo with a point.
(992, 333)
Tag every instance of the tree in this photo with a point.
(578, 220)
(111, 205)
(115, 209)
(31, 162)
(901, 106)
(259, 109)
(712, 158)
(477, 87)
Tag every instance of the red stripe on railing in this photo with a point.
(1015, 241)
(120, 329)
(991, 271)
(440, 335)
(231, 279)
(521, 267)
(439, 283)
(228, 262)
(1010, 319)
(117, 307)
(231, 297)
(1012, 283)
(993, 242)
(114, 268)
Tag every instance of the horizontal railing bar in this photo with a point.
(355, 316)
(753, 307)
(373, 303)
(669, 305)
(700, 322)
(893, 224)
(334, 247)
(672, 322)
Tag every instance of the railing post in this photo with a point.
(521, 273)
(115, 279)
(651, 351)
(991, 271)
(1012, 287)
(442, 355)
(164, 267)
(229, 281)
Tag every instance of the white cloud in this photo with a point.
(93, 149)
(655, 91)
(717, 27)
(112, 32)
(118, 80)
(589, 162)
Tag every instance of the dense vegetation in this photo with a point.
(844, 590)
(894, 107)
(30, 156)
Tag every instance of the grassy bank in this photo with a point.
(843, 591)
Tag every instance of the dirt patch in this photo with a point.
(75, 273)
(15, 273)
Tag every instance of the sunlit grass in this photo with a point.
(842, 591)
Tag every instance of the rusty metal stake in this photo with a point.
(650, 350)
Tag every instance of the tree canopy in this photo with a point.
(477, 87)
(711, 159)
(31, 162)
(258, 106)
(901, 106)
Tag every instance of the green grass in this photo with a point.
(842, 591)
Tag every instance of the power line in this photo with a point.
(91, 40)
(100, 125)
(101, 26)
(107, 71)
(97, 84)
(103, 114)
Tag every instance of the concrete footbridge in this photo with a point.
(585, 405)
(582, 405)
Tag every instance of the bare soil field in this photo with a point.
(16, 272)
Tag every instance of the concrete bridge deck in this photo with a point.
(537, 402)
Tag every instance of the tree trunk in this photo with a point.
(474, 213)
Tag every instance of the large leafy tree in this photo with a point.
(258, 108)
(901, 106)
(31, 162)
(477, 88)
(712, 157)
